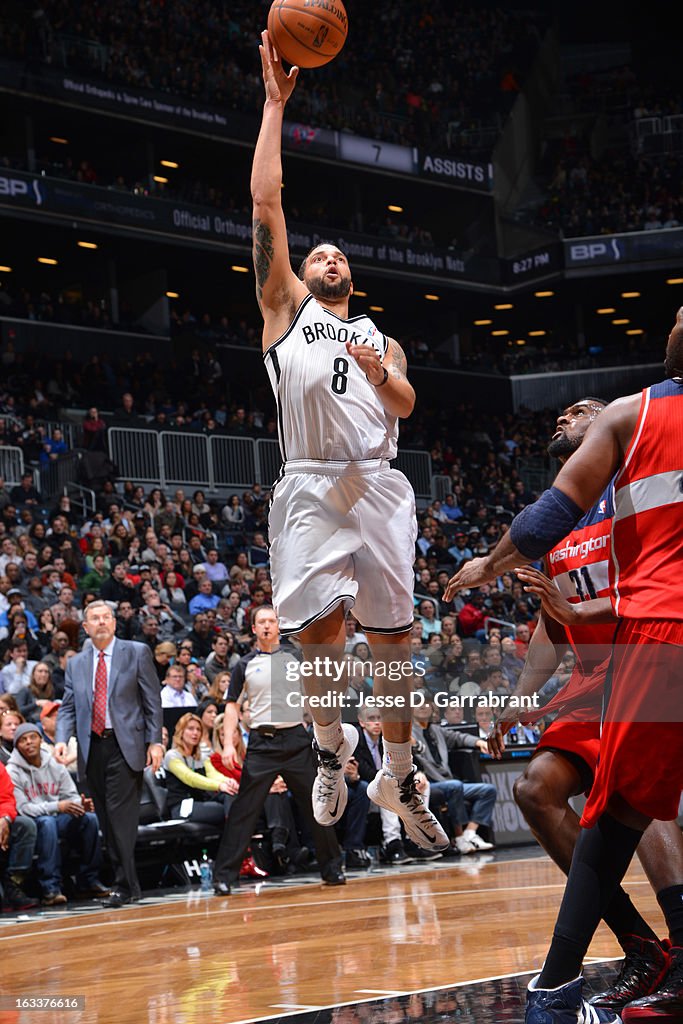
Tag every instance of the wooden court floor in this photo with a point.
(197, 959)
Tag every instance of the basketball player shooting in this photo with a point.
(342, 523)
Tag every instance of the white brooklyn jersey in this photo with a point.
(327, 410)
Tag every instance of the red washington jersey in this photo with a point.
(579, 568)
(647, 547)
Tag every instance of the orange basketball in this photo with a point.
(308, 32)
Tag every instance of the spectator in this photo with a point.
(94, 431)
(205, 599)
(41, 685)
(16, 675)
(469, 804)
(174, 693)
(472, 616)
(18, 835)
(210, 798)
(25, 494)
(53, 447)
(258, 551)
(232, 514)
(430, 623)
(10, 720)
(63, 817)
(215, 570)
(201, 636)
(223, 657)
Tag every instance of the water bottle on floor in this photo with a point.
(206, 871)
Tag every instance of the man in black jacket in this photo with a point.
(470, 804)
(119, 587)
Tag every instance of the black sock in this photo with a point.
(623, 918)
(601, 857)
(671, 902)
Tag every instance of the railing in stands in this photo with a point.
(221, 461)
(11, 464)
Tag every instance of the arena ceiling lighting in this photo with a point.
(543, 295)
(630, 295)
(5, 270)
(377, 309)
(432, 298)
(172, 295)
(520, 341)
(240, 270)
(87, 245)
(59, 141)
(169, 163)
(361, 295)
(636, 330)
(161, 180)
(395, 209)
(482, 323)
(606, 310)
(537, 334)
(674, 280)
(620, 321)
(504, 305)
(48, 261)
(499, 334)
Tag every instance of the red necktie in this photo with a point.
(99, 704)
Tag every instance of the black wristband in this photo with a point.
(382, 382)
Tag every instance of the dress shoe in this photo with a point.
(334, 877)
(53, 899)
(95, 891)
(221, 889)
(117, 899)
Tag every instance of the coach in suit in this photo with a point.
(112, 704)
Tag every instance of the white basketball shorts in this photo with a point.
(343, 533)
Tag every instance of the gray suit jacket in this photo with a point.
(134, 702)
(438, 769)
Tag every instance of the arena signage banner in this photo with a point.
(614, 251)
(146, 214)
(192, 115)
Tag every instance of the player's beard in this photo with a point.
(322, 289)
(670, 368)
(563, 446)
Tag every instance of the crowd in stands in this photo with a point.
(614, 194)
(185, 574)
(442, 67)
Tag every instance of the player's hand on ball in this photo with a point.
(369, 361)
(279, 86)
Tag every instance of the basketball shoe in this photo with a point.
(564, 1005)
(330, 794)
(403, 798)
(666, 1004)
(642, 971)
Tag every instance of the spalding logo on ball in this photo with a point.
(308, 33)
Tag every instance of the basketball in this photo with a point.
(308, 33)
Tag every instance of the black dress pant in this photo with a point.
(116, 789)
(289, 754)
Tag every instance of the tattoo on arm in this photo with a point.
(263, 255)
(399, 363)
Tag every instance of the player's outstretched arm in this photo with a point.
(278, 289)
(546, 649)
(387, 376)
(585, 613)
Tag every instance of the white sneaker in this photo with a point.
(477, 842)
(420, 824)
(330, 794)
(464, 846)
